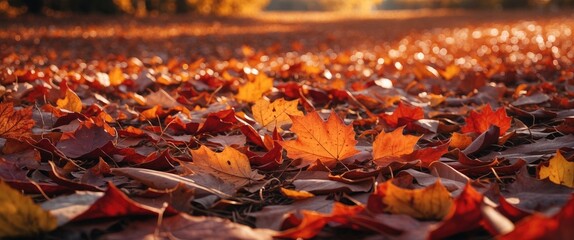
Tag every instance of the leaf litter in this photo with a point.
(462, 131)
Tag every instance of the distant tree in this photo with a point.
(349, 5)
(226, 7)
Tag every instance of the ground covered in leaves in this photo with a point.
(400, 125)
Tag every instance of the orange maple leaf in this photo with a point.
(403, 115)
(479, 122)
(328, 142)
(393, 144)
(15, 123)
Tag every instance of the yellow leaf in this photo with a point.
(230, 165)
(20, 217)
(70, 102)
(450, 72)
(254, 90)
(297, 195)
(116, 76)
(393, 144)
(328, 142)
(432, 202)
(558, 170)
(276, 114)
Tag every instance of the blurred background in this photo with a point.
(243, 7)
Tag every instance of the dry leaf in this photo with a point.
(184, 226)
(20, 217)
(70, 102)
(229, 165)
(393, 144)
(276, 114)
(116, 76)
(297, 195)
(14, 124)
(432, 202)
(479, 122)
(404, 114)
(254, 90)
(460, 141)
(558, 170)
(328, 142)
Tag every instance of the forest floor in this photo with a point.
(418, 124)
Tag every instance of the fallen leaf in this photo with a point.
(254, 90)
(296, 194)
(393, 144)
(70, 102)
(313, 222)
(20, 217)
(88, 138)
(276, 114)
(539, 226)
(534, 151)
(460, 141)
(163, 180)
(272, 216)
(432, 202)
(463, 216)
(161, 98)
(15, 123)
(558, 170)
(328, 142)
(184, 226)
(114, 203)
(484, 140)
(404, 114)
(532, 194)
(230, 165)
(116, 76)
(479, 122)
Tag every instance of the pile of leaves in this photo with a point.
(447, 133)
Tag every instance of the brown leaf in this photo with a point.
(184, 226)
(15, 123)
